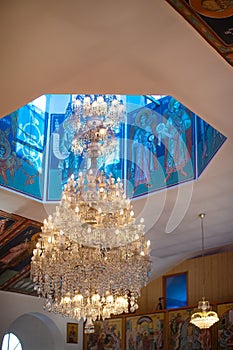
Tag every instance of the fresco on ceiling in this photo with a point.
(18, 237)
(167, 144)
(209, 140)
(22, 144)
(160, 147)
(213, 20)
(8, 225)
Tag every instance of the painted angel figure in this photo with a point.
(176, 137)
(144, 157)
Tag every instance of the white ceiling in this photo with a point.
(127, 47)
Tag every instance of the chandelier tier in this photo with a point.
(205, 318)
(92, 258)
(94, 211)
(92, 121)
(83, 282)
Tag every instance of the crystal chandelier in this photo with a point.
(92, 121)
(92, 258)
(204, 318)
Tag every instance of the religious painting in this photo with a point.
(218, 15)
(160, 146)
(183, 335)
(209, 140)
(225, 326)
(15, 256)
(107, 335)
(8, 225)
(145, 332)
(213, 20)
(22, 144)
(72, 333)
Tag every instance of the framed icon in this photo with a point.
(72, 333)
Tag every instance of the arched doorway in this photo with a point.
(35, 332)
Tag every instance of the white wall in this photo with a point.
(30, 312)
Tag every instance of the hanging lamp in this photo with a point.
(204, 318)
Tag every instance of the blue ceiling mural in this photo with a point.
(22, 146)
(161, 144)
